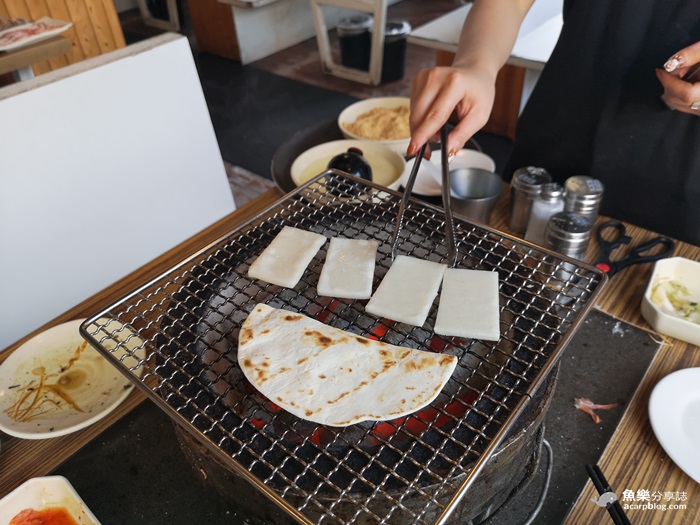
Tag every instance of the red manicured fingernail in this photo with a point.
(411, 149)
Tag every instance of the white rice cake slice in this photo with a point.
(285, 259)
(407, 291)
(349, 269)
(469, 305)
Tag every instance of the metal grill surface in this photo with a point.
(411, 470)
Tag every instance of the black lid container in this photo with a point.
(355, 41)
(394, 61)
(355, 38)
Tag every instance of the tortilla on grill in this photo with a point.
(332, 377)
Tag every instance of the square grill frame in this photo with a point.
(418, 469)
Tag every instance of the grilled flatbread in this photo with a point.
(332, 377)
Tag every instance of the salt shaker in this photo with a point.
(524, 187)
(547, 203)
(583, 196)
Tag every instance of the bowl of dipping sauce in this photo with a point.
(50, 499)
(387, 165)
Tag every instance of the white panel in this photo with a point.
(104, 165)
(260, 32)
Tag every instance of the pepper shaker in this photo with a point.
(568, 234)
(583, 196)
(547, 203)
(524, 187)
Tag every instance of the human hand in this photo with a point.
(680, 80)
(438, 93)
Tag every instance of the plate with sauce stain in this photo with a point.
(48, 500)
(56, 383)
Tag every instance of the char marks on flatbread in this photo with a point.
(330, 376)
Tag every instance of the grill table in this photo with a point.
(189, 319)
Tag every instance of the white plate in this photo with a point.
(90, 382)
(427, 179)
(387, 165)
(674, 412)
(23, 35)
(46, 492)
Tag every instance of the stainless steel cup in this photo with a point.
(474, 192)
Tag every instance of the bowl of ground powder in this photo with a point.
(380, 119)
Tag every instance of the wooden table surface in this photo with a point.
(633, 460)
(28, 55)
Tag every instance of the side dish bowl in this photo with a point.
(352, 112)
(43, 493)
(387, 165)
(657, 303)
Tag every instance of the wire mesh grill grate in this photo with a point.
(411, 470)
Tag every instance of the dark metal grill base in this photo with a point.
(189, 320)
(508, 470)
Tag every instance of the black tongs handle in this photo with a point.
(449, 222)
(446, 202)
(404, 200)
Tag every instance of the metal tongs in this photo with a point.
(449, 224)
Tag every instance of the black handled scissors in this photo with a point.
(646, 252)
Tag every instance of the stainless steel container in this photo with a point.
(583, 196)
(568, 233)
(524, 188)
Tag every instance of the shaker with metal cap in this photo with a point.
(547, 203)
(524, 187)
(583, 196)
(568, 234)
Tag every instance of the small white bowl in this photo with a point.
(387, 165)
(350, 114)
(687, 273)
(467, 158)
(429, 178)
(45, 492)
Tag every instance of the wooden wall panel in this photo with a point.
(213, 27)
(96, 27)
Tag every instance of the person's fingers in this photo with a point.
(441, 92)
(466, 128)
(423, 96)
(678, 94)
(436, 94)
(678, 64)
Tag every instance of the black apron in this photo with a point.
(596, 110)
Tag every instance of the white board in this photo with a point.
(104, 165)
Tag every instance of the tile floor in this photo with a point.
(258, 107)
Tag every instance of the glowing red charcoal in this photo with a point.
(380, 329)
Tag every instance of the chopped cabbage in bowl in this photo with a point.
(673, 298)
